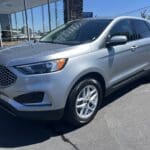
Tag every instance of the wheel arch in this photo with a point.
(95, 75)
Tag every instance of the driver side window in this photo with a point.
(123, 28)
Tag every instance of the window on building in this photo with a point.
(14, 30)
(60, 12)
(13, 22)
(46, 18)
(30, 23)
(53, 15)
(19, 18)
(38, 21)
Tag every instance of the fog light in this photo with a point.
(34, 97)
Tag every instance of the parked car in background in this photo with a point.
(70, 70)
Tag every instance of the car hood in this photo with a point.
(35, 52)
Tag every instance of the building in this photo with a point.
(30, 19)
(73, 9)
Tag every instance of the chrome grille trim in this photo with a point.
(7, 78)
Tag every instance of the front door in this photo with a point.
(123, 59)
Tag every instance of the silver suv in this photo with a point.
(69, 71)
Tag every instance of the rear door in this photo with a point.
(142, 43)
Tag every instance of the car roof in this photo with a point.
(114, 18)
(130, 17)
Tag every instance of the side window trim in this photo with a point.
(148, 26)
(133, 29)
(130, 26)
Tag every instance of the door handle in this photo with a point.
(133, 48)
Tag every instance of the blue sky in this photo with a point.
(113, 7)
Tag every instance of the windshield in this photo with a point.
(77, 32)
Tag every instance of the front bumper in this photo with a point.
(32, 113)
(50, 107)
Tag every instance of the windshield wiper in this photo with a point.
(54, 42)
(65, 43)
(46, 41)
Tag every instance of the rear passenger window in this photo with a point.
(141, 29)
(148, 24)
(123, 28)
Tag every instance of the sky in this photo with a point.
(113, 7)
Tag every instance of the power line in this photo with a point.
(133, 11)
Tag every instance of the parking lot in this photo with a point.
(122, 124)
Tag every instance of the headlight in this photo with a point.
(43, 67)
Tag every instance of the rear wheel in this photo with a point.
(84, 101)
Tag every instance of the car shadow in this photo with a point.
(15, 132)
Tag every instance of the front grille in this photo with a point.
(6, 77)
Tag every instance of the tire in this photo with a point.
(72, 113)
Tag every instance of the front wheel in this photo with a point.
(83, 102)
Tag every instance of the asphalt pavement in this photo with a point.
(123, 123)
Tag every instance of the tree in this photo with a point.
(145, 14)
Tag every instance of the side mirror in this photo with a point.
(117, 40)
